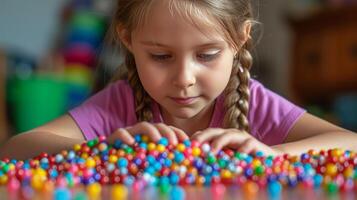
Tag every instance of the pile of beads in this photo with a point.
(161, 164)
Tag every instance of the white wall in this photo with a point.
(29, 25)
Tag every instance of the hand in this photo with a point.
(233, 138)
(153, 131)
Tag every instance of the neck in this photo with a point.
(191, 125)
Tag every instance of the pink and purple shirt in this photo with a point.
(270, 116)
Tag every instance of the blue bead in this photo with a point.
(122, 162)
(164, 141)
(151, 159)
(187, 143)
(164, 180)
(168, 163)
(129, 181)
(117, 144)
(274, 189)
(318, 179)
(53, 173)
(62, 194)
(137, 161)
(157, 166)
(248, 172)
(259, 154)
(143, 145)
(177, 193)
(174, 178)
(97, 177)
(137, 138)
(179, 157)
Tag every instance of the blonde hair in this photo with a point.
(230, 15)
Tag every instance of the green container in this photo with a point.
(36, 100)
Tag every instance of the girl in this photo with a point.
(187, 77)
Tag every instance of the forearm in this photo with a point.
(28, 145)
(342, 140)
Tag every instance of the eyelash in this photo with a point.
(205, 57)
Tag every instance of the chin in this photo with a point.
(185, 113)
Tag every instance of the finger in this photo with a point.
(207, 135)
(181, 135)
(248, 146)
(229, 139)
(167, 132)
(123, 135)
(147, 129)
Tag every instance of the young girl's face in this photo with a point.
(179, 66)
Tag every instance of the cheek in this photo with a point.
(219, 75)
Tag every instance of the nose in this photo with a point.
(184, 76)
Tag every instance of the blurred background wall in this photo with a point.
(51, 55)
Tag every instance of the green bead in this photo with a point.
(164, 188)
(93, 142)
(129, 150)
(211, 159)
(222, 163)
(80, 196)
(238, 155)
(332, 188)
(5, 168)
(259, 170)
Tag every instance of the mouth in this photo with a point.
(185, 100)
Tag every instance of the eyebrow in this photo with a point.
(214, 43)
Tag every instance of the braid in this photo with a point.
(142, 98)
(237, 92)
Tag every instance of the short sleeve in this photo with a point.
(270, 116)
(107, 110)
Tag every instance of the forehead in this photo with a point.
(178, 20)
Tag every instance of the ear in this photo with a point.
(124, 36)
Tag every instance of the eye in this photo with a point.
(208, 57)
(160, 57)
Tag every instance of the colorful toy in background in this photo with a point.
(34, 97)
(86, 30)
(97, 165)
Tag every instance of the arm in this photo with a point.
(53, 137)
(310, 132)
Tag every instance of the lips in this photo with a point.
(184, 101)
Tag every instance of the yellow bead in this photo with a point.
(113, 159)
(250, 190)
(37, 182)
(186, 162)
(48, 187)
(200, 180)
(119, 192)
(256, 163)
(41, 172)
(90, 163)
(77, 147)
(336, 152)
(276, 169)
(226, 174)
(3, 179)
(94, 190)
(349, 172)
(171, 156)
(84, 155)
(151, 146)
(145, 138)
(161, 148)
(331, 169)
(196, 151)
(181, 147)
